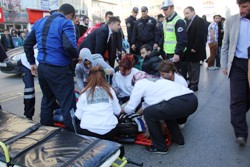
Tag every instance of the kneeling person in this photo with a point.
(97, 107)
(163, 100)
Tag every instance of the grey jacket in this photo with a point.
(82, 73)
(229, 42)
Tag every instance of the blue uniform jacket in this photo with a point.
(55, 39)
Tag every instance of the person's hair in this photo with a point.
(76, 16)
(114, 19)
(127, 62)
(67, 9)
(166, 66)
(160, 16)
(239, 2)
(147, 47)
(108, 13)
(190, 8)
(97, 78)
(216, 16)
(204, 17)
(84, 18)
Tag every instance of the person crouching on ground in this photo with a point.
(168, 71)
(97, 107)
(163, 100)
(88, 60)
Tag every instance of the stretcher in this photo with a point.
(27, 143)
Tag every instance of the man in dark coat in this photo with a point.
(99, 40)
(195, 46)
(151, 60)
(130, 21)
(6, 41)
(3, 55)
(145, 32)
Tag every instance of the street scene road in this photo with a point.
(209, 136)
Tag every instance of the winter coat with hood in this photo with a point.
(82, 72)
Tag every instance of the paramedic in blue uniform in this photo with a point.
(145, 32)
(56, 43)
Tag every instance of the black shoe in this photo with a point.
(180, 143)
(241, 141)
(28, 117)
(152, 149)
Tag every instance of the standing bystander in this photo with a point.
(234, 62)
(213, 42)
(56, 49)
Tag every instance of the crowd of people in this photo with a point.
(158, 73)
(11, 39)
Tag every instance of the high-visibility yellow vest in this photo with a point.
(170, 36)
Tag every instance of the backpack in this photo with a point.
(97, 25)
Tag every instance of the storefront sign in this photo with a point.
(15, 17)
(45, 4)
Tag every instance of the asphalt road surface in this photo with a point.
(209, 136)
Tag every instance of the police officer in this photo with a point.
(130, 21)
(175, 36)
(145, 32)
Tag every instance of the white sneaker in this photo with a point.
(211, 68)
(216, 68)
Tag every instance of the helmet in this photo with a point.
(167, 3)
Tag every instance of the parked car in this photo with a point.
(12, 64)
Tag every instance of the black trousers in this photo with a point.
(240, 96)
(29, 92)
(108, 136)
(169, 111)
(194, 73)
(57, 84)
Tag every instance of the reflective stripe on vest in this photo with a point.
(170, 36)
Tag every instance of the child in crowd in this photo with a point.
(97, 107)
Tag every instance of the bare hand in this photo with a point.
(108, 71)
(33, 70)
(133, 47)
(176, 58)
(224, 71)
(193, 51)
(155, 46)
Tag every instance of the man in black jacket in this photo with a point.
(130, 21)
(6, 41)
(195, 46)
(99, 40)
(151, 60)
(145, 32)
